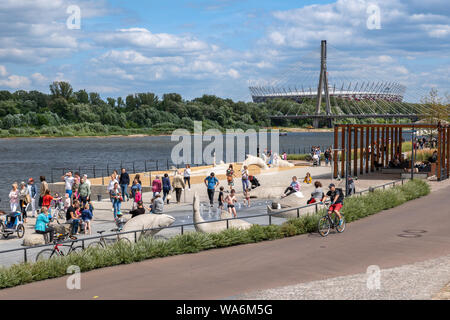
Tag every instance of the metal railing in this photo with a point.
(96, 171)
(182, 227)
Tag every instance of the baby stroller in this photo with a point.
(254, 181)
(315, 160)
(13, 223)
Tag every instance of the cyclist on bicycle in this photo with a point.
(337, 200)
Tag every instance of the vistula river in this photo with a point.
(22, 158)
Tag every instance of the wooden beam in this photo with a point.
(439, 155)
(372, 148)
(411, 125)
(335, 155)
(395, 141)
(448, 152)
(444, 149)
(343, 151)
(349, 149)
(400, 139)
(377, 160)
(361, 151)
(355, 152)
(382, 146)
(367, 149)
(391, 145)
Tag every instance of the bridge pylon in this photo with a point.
(323, 86)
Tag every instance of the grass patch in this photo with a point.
(355, 208)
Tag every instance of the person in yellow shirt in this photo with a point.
(308, 179)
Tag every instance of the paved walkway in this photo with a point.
(383, 239)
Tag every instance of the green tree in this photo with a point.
(61, 89)
(82, 96)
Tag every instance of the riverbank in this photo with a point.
(135, 133)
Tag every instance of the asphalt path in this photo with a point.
(416, 231)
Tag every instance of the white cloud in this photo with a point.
(3, 71)
(15, 82)
(39, 78)
(137, 58)
(143, 38)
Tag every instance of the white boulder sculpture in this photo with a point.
(252, 160)
(218, 226)
(277, 162)
(33, 239)
(146, 221)
(291, 201)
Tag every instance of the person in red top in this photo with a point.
(156, 186)
(47, 199)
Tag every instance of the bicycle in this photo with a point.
(102, 242)
(328, 222)
(57, 209)
(57, 250)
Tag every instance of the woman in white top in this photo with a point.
(111, 186)
(14, 197)
(187, 176)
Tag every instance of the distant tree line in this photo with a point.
(67, 112)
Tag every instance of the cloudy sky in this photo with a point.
(196, 47)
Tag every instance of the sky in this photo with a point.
(220, 47)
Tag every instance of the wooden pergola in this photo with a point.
(386, 140)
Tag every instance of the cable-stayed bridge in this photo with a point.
(337, 93)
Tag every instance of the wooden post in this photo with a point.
(448, 152)
(355, 152)
(439, 155)
(372, 148)
(343, 151)
(349, 147)
(400, 139)
(392, 144)
(444, 149)
(367, 149)
(361, 151)
(386, 158)
(336, 146)
(395, 141)
(378, 147)
(382, 146)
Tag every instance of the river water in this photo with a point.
(22, 158)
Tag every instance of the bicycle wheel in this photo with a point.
(78, 249)
(339, 228)
(2, 230)
(96, 244)
(61, 214)
(20, 231)
(46, 254)
(125, 240)
(324, 226)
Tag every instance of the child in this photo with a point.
(231, 199)
(247, 197)
(86, 216)
(308, 179)
(66, 202)
(137, 198)
(120, 221)
(75, 221)
(47, 199)
(220, 199)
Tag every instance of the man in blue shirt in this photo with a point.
(211, 183)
